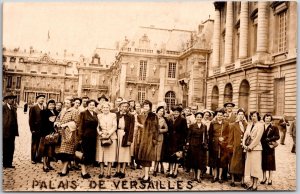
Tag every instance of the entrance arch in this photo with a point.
(244, 93)
(228, 93)
(215, 98)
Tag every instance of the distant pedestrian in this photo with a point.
(35, 123)
(270, 136)
(25, 107)
(282, 126)
(293, 134)
(10, 130)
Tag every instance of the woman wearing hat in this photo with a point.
(67, 121)
(107, 129)
(207, 117)
(163, 128)
(48, 118)
(270, 135)
(218, 138)
(197, 143)
(178, 134)
(87, 133)
(148, 140)
(125, 130)
(252, 145)
(237, 164)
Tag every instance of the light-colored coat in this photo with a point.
(256, 134)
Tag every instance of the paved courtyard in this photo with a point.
(29, 177)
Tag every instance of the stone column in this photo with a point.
(161, 91)
(79, 84)
(123, 80)
(216, 39)
(243, 45)
(262, 27)
(228, 35)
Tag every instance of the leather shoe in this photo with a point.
(122, 175)
(232, 184)
(214, 180)
(263, 182)
(270, 183)
(101, 176)
(117, 174)
(86, 176)
(244, 186)
(146, 181)
(174, 176)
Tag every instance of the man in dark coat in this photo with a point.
(35, 123)
(10, 130)
(282, 126)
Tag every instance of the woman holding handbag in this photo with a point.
(268, 142)
(67, 121)
(106, 149)
(87, 133)
(252, 145)
(197, 143)
(46, 148)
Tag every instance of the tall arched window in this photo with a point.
(244, 93)
(215, 98)
(228, 93)
(170, 99)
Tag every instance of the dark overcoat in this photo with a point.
(237, 164)
(197, 139)
(10, 123)
(47, 124)
(271, 133)
(148, 138)
(177, 135)
(35, 119)
(218, 155)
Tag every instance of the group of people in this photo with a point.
(224, 144)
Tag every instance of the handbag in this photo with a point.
(79, 156)
(106, 142)
(273, 144)
(52, 138)
(248, 140)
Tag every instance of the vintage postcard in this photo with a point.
(149, 96)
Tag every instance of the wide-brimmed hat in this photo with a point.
(227, 103)
(199, 112)
(123, 102)
(176, 108)
(40, 95)
(9, 96)
(104, 97)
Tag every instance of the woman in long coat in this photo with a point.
(163, 128)
(253, 167)
(107, 128)
(197, 142)
(237, 164)
(148, 140)
(87, 133)
(177, 139)
(47, 150)
(271, 134)
(67, 121)
(218, 139)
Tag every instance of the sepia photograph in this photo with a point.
(149, 96)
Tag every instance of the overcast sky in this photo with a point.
(81, 27)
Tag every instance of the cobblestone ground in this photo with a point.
(30, 177)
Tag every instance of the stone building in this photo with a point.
(163, 65)
(254, 56)
(94, 73)
(30, 73)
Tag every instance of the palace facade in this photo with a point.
(253, 61)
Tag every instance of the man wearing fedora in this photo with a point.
(35, 123)
(10, 130)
